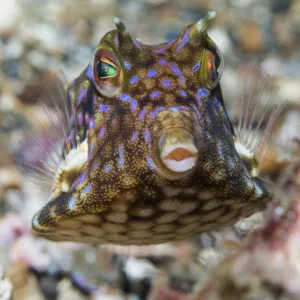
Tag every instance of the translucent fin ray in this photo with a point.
(48, 143)
(258, 103)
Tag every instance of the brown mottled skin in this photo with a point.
(124, 193)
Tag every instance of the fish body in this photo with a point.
(151, 155)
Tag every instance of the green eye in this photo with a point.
(105, 69)
(212, 69)
(107, 72)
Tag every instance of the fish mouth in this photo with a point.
(178, 151)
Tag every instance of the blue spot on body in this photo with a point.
(87, 117)
(232, 162)
(79, 180)
(184, 40)
(147, 136)
(174, 109)
(176, 70)
(103, 108)
(82, 177)
(150, 162)
(134, 136)
(102, 132)
(208, 120)
(203, 92)
(107, 169)
(80, 119)
(226, 128)
(151, 73)
(134, 79)
(91, 150)
(166, 83)
(95, 99)
(162, 49)
(162, 62)
(133, 104)
(178, 108)
(259, 190)
(87, 189)
(196, 67)
(215, 111)
(219, 105)
(72, 203)
(155, 94)
(155, 112)
(197, 111)
(81, 95)
(127, 65)
(136, 43)
(116, 41)
(220, 150)
(89, 73)
(121, 156)
(183, 93)
(142, 114)
(92, 123)
(127, 98)
(250, 185)
(124, 97)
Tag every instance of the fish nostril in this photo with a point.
(178, 151)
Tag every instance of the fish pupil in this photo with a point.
(105, 69)
(217, 61)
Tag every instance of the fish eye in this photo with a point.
(213, 65)
(212, 70)
(108, 74)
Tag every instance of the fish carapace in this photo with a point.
(151, 155)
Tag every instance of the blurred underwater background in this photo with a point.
(39, 39)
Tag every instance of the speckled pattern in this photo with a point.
(123, 193)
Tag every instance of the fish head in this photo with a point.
(158, 160)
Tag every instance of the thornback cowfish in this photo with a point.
(150, 155)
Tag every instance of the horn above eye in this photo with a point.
(108, 74)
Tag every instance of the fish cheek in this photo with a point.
(65, 217)
(222, 168)
(45, 222)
